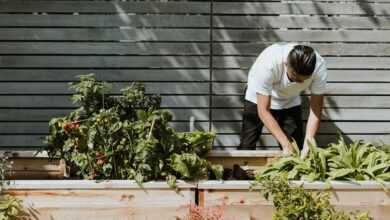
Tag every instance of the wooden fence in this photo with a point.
(196, 54)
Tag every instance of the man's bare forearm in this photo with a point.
(314, 120)
(272, 125)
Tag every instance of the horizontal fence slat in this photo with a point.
(299, 21)
(325, 49)
(116, 7)
(327, 114)
(63, 101)
(39, 115)
(233, 141)
(332, 62)
(334, 75)
(316, 8)
(52, 75)
(119, 20)
(96, 34)
(330, 101)
(104, 61)
(325, 127)
(332, 88)
(43, 128)
(301, 35)
(7, 88)
(104, 48)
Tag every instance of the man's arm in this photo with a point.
(263, 109)
(313, 123)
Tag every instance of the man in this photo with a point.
(272, 99)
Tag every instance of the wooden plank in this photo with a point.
(11, 61)
(107, 204)
(44, 115)
(325, 49)
(111, 34)
(92, 20)
(325, 127)
(301, 35)
(330, 102)
(51, 75)
(241, 203)
(104, 48)
(334, 114)
(96, 185)
(344, 22)
(21, 6)
(33, 115)
(24, 114)
(37, 168)
(8, 142)
(332, 62)
(231, 141)
(50, 101)
(21, 88)
(334, 75)
(332, 89)
(34, 141)
(315, 8)
(42, 128)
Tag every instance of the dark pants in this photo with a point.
(290, 120)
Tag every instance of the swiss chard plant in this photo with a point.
(338, 161)
(126, 137)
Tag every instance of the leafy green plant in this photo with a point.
(10, 207)
(126, 137)
(294, 203)
(338, 161)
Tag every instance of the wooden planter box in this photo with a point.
(245, 205)
(105, 200)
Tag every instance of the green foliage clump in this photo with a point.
(338, 161)
(10, 207)
(126, 137)
(294, 203)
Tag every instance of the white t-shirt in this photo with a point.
(268, 76)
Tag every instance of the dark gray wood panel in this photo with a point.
(332, 88)
(44, 115)
(104, 48)
(7, 88)
(337, 114)
(368, 102)
(103, 7)
(307, 8)
(12, 61)
(334, 75)
(345, 22)
(331, 62)
(99, 34)
(278, 35)
(63, 101)
(52, 75)
(325, 127)
(117, 20)
(325, 49)
(232, 141)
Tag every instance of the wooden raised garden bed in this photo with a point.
(105, 200)
(240, 203)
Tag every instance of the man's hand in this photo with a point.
(305, 149)
(288, 149)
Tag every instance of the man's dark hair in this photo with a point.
(302, 59)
